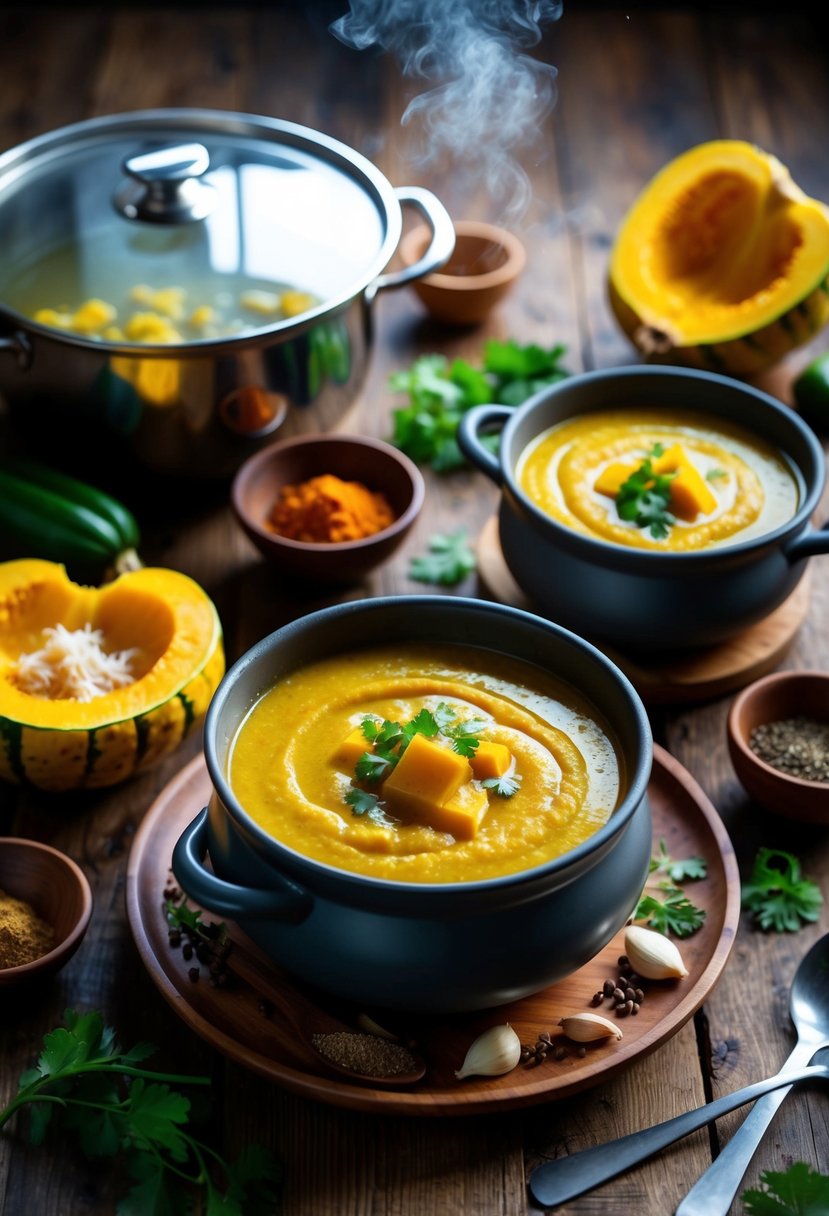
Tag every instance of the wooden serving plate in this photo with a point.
(681, 677)
(232, 1020)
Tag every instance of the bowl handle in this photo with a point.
(810, 543)
(284, 902)
(471, 425)
(440, 248)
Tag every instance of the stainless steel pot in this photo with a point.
(630, 597)
(422, 946)
(218, 203)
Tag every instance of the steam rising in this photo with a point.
(484, 97)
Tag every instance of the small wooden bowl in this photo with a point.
(483, 268)
(57, 890)
(781, 695)
(376, 464)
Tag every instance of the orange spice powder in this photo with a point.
(326, 509)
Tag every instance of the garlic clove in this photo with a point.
(653, 955)
(587, 1027)
(493, 1053)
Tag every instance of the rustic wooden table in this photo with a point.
(636, 85)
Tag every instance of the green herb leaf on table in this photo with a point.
(797, 1191)
(643, 499)
(777, 895)
(87, 1084)
(670, 912)
(440, 392)
(447, 562)
(677, 870)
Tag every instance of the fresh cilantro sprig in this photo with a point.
(439, 394)
(504, 786)
(643, 499)
(670, 912)
(777, 895)
(448, 561)
(87, 1084)
(797, 1191)
(677, 870)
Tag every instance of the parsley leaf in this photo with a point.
(797, 1191)
(361, 802)
(373, 768)
(423, 723)
(440, 392)
(643, 499)
(504, 786)
(447, 562)
(672, 912)
(777, 896)
(678, 871)
(91, 1087)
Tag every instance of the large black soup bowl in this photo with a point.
(633, 598)
(422, 947)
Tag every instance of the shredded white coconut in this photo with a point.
(73, 665)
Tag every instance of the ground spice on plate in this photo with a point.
(24, 936)
(798, 746)
(327, 509)
(367, 1054)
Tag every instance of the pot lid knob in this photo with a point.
(165, 185)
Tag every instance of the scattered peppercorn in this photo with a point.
(193, 973)
(798, 746)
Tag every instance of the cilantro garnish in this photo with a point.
(440, 392)
(643, 499)
(447, 562)
(679, 871)
(797, 1191)
(504, 786)
(670, 912)
(361, 801)
(777, 895)
(86, 1084)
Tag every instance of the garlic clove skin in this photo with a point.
(493, 1053)
(588, 1027)
(653, 955)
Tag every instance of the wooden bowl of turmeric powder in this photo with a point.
(327, 508)
(45, 906)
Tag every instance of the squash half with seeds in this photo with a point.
(97, 684)
(722, 262)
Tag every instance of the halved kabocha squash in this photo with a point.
(722, 262)
(152, 633)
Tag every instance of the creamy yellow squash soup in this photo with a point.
(425, 764)
(659, 479)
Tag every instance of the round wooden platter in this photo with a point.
(677, 677)
(233, 1021)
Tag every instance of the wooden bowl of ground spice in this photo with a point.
(327, 508)
(778, 740)
(45, 906)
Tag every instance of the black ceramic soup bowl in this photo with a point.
(636, 598)
(425, 947)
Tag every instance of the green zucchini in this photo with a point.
(48, 514)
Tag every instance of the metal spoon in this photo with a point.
(713, 1193)
(557, 1181)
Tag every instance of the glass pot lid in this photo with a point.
(181, 226)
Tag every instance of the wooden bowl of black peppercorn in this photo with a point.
(778, 740)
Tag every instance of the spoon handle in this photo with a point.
(713, 1192)
(557, 1181)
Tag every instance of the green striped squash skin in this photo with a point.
(750, 353)
(59, 760)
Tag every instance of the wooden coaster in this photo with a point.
(679, 677)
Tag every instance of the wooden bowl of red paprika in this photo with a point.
(327, 508)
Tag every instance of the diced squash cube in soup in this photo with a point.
(490, 760)
(426, 776)
(690, 496)
(613, 477)
(353, 746)
(461, 815)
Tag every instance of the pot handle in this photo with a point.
(811, 543)
(439, 251)
(471, 425)
(19, 345)
(284, 902)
